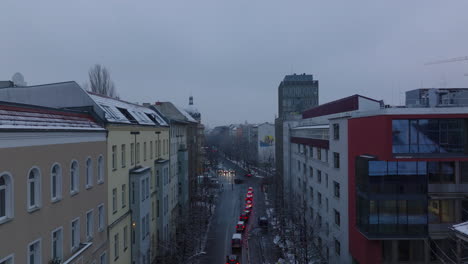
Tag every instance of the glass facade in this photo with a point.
(429, 136)
(391, 198)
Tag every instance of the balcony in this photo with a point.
(448, 188)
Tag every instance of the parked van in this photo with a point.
(236, 241)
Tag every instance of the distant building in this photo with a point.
(440, 97)
(296, 93)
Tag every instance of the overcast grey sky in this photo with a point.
(231, 55)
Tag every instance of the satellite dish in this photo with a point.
(18, 79)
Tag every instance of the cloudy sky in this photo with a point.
(231, 55)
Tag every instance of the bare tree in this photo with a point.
(101, 82)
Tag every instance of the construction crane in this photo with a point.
(465, 58)
(446, 61)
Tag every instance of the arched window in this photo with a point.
(74, 175)
(56, 183)
(89, 173)
(100, 169)
(34, 189)
(6, 197)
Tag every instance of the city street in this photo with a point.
(257, 244)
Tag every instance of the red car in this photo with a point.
(232, 259)
(240, 227)
(244, 217)
(249, 197)
(250, 189)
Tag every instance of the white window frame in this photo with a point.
(124, 195)
(37, 190)
(9, 197)
(114, 201)
(116, 246)
(75, 177)
(60, 243)
(89, 173)
(103, 254)
(123, 154)
(100, 169)
(114, 157)
(10, 258)
(39, 258)
(90, 225)
(58, 182)
(74, 247)
(101, 217)
(125, 237)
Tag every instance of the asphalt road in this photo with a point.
(257, 243)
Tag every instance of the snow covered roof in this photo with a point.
(32, 117)
(185, 113)
(118, 111)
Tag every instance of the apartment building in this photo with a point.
(53, 186)
(134, 133)
(392, 182)
(316, 173)
(176, 200)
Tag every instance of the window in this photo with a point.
(133, 192)
(336, 160)
(100, 169)
(327, 228)
(319, 176)
(319, 153)
(151, 149)
(152, 210)
(298, 166)
(35, 252)
(319, 197)
(311, 172)
(336, 131)
(89, 173)
(319, 220)
(326, 155)
(132, 153)
(103, 258)
(124, 195)
(137, 152)
(337, 247)
(311, 190)
(311, 151)
(147, 187)
(143, 228)
(89, 225)
(56, 183)
(34, 189)
(144, 151)
(428, 136)
(101, 217)
(114, 200)
(147, 224)
(57, 243)
(125, 237)
(326, 180)
(157, 208)
(114, 157)
(337, 217)
(326, 204)
(116, 246)
(336, 188)
(142, 189)
(75, 234)
(124, 160)
(74, 177)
